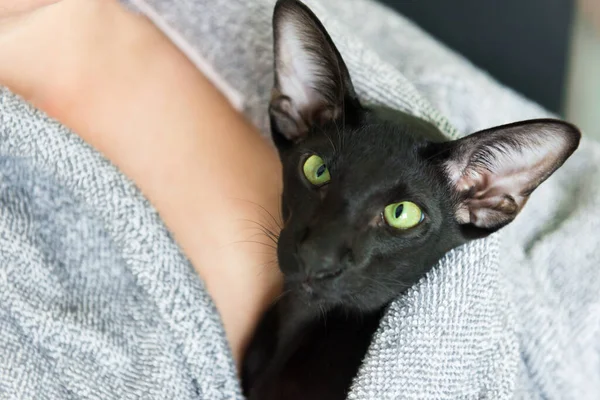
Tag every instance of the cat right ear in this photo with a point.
(312, 83)
(493, 172)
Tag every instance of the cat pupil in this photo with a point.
(398, 212)
(321, 170)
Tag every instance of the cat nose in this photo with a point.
(322, 262)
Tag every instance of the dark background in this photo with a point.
(522, 43)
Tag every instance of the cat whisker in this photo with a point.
(257, 223)
(273, 238)
(383, 280)
(331, 142)
(340, 135)
(268, 266)
(341, 95)
(254, 241)
(324, 314)
(280, 296)
(277, 222)
(321, 130)
(436, 154)
(379, 285)
(352, 300)
(268, 253)
(401, 284)
(267, 231)
(360, 317)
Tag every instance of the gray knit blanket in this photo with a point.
(98, 302)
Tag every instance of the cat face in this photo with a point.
(373, 198)
(338, 245)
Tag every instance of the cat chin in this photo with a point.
(315, 292)
(325, 295)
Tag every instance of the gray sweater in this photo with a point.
(98, 302)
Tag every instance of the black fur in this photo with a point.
(342, 263)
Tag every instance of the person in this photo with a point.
(114, 79)
(135, 187)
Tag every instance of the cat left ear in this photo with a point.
(493, 172)
(312, 83)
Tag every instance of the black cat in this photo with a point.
(372, 199)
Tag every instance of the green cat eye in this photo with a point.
(403, 215)
(316, 171)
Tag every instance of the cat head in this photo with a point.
(374, 198)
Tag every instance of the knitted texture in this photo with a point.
(97, 301)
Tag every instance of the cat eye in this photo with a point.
(316, 171)
(403, 215)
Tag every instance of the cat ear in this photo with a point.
(493, 172)
(312, 83)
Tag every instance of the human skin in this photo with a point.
(119, 83)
